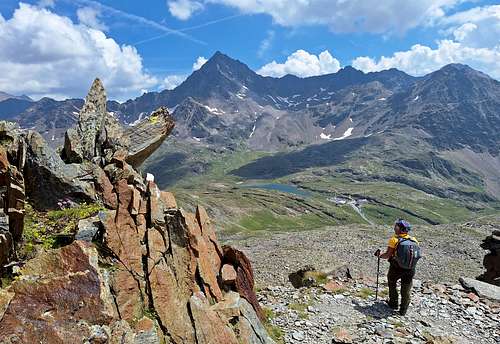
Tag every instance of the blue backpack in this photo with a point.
(407, 253)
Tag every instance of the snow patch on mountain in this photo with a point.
(347, 133)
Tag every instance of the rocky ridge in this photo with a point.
(149, 271)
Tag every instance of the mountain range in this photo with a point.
(438, 134)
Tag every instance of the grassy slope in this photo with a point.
(207, 177)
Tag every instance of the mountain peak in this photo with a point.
(221, 59)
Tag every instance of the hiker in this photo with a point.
(403, 253)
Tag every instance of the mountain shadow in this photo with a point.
(283, 164)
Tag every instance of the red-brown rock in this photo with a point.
(244, 280)
(62, 304)
(228, 274)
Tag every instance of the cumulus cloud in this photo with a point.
(172, 81)
(339, 15)
(302, 64)
(477, 27)
(45, 54)
(420, 59)
(183, 9)
(472, 39)
(90, 16)
(200, 61)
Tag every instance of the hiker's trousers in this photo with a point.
(406, 276)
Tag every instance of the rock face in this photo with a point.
(12, 191)
(158, 276)
(491, 261)
(98, 135)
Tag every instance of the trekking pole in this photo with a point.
(377, 253)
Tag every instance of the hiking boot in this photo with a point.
(402, 312)
(391, 305)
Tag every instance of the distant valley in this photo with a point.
(426, 148)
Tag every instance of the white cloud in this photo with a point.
(45, 54)
(477, 27)
(172, 81)
(200, 61)
(472, 39)
(266, 43)
(342, 15)
(420, 59)
(183, 9)
(90, 16)
(302, 64)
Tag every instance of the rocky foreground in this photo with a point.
(338, 303)
(141, 271)
(346, 312)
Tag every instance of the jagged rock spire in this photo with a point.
(95, 102)
(98, 135)
(80, 143)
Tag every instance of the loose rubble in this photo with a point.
(348, 313)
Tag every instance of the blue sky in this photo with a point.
(56, 47)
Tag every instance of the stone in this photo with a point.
(491, 261)
(104, 188)
(333, 286)
(60, 292)
(168, 200)
(228, 274)
(147, 332)
(6, 246)
(80, 142)
(298, 335)
(482, 289)
(87, 229)
(100, 138)
(341, 336)
(210, 327)
(473, 297)
(245, 279)
(146, 136)
(251, 328)
(49, 180)
(229, 306)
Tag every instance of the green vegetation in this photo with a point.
(339, 291)
(274, 332)
(365, 293)
(301, 309)
(399, 179)
(66, 220)
(41, 229)
(319, 277)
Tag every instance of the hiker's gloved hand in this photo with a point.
(377, 253)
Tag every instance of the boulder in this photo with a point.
(491, 261)
(98, 136)
(228, 274)
(57, 299)
(145, 137)
(87, 229)
(482, 289)
(244, 277)
(49, 179)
